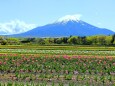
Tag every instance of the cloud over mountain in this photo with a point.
(15, 27)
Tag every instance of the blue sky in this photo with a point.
(40, 12)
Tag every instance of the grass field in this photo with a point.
(25, 65)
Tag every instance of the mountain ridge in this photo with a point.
(65, 27)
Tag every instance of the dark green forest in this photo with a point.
(72, 40)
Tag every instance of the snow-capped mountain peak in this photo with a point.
(66, 26)
(69, 18)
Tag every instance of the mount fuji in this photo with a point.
(64, 27)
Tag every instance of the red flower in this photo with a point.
(104, 62)
(4, 63)
(6, 59)
(114, 64)
(66, 57)
(0, 63)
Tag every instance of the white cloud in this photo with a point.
(15, 27)
(70, 17)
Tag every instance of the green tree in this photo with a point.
(59, 41)
(41, 41)
(108, 40)
(3, 40)
(73, 40)
(64, 39)
(28, 40)
(101, 40)
(13, 41)
(113, 39)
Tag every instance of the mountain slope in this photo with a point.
(66, 27)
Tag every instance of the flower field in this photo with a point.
(35, 67)
(59, 52)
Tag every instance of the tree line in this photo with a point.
(72, 40)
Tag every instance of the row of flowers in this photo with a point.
(57, 67)
(71, 52)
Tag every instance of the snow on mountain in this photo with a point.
(70, 18)
(15, 27)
